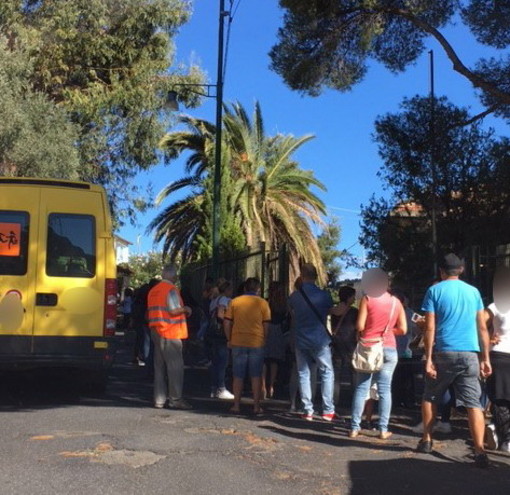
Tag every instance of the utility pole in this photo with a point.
(216, 215)
(433, 168)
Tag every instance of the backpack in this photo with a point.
(215, 326)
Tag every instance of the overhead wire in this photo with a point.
(231, 14)
(237, 6)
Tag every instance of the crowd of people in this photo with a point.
(465, 349)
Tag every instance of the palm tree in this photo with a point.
(272, 193)
(264, 191)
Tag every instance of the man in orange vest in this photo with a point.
(166, 315)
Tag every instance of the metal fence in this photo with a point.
(481, 264)
(266, 265)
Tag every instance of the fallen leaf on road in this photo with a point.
(282, 475)
(78, 453)
(228, 431)
(104, 447)
(305, 448)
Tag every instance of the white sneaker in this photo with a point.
(224, 394)
(505, 447)
(491, 437)
(442, 427)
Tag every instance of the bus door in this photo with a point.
(70, 277)
(18, 264)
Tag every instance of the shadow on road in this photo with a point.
(421, 476)
(129, 385)
(60, 387)
(329, 435)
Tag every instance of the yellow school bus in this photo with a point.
(57, 276)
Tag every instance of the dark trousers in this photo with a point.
(501, 416)
(141, 330)
(403, 383)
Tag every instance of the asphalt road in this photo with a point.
(57, 440)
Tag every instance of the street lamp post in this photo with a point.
(172, 102)
(216, 215)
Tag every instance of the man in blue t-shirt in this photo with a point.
(309, 307)
(455, 335)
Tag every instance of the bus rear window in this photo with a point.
(71, 250)
(13, 242)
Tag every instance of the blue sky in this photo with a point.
(343, 154)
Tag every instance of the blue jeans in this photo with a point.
(219, 361)
(305, 359)
(362, 382)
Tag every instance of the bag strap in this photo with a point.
(393, 304)
(340, 321)
(381, 338)
(315, 312)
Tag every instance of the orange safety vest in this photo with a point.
(159, 318)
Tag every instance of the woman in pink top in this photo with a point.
(381, 315)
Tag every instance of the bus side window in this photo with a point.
(71, 249)
(14, 231)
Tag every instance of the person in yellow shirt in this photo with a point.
(246, 325)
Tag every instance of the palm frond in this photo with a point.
(176, 186)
